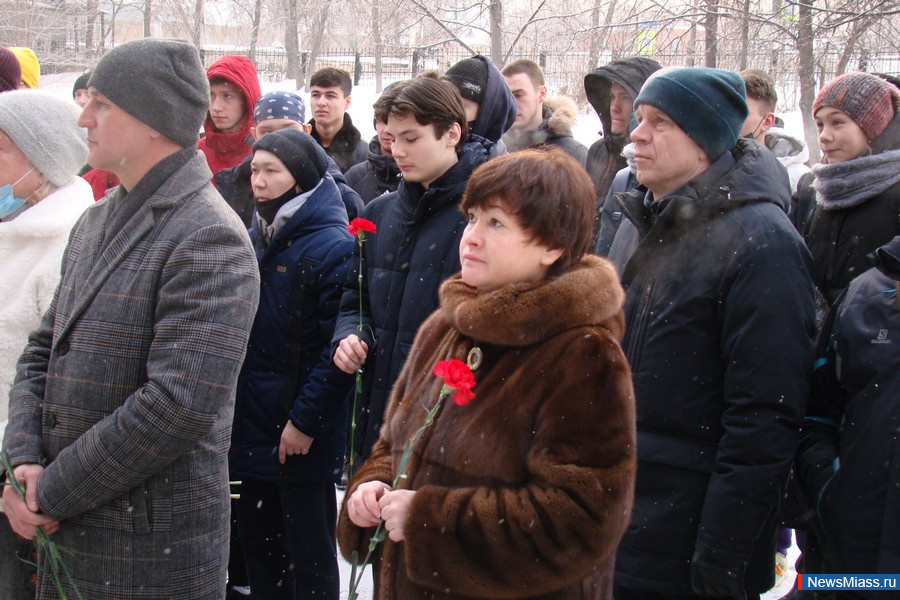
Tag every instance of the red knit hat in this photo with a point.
(869, 100)
(10, 71)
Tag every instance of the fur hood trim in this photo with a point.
(522, 314)
(563, 115)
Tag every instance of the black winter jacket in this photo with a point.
(719, 326)
(840, 240)
(288, 371)
(376, 176)
(604, 158)
(415, 248)
(849, 458)
(347, 148)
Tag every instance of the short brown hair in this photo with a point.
(548, 192)
(528, 67)
(761, 87)
(332, 77)
(431, 100)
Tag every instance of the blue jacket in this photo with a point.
(415, 249)
(288, 371)
(719, 325)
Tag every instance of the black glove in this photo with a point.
(709, 578)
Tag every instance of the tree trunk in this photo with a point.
(806, 74)
(745, 34)
(254, 30)
(379, 46)
(147, 15)
(711, 24)
(197, 29)
(90, 9)
(291, 45)
(496, 10)
(318, 36)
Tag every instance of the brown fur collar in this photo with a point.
(564, 114)
(523, 314)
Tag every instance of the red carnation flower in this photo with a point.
(458, 377)
(360, 224)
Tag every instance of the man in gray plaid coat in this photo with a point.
(120, 416)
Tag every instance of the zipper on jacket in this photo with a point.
(639, 323)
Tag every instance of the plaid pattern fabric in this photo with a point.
(126, 393)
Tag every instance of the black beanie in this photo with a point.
(81, 83)
(470, 76)
(158, 82)
(301, 154)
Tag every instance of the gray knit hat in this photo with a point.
(158, 82)
(43, 127)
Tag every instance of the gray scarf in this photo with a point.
(852, 182)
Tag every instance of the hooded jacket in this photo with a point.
(415, 249)
(225, 150)
(347, 148)
(849, 456)
(604, 158)
(377, 176)
(719, 325)
(497, 109)
(790, 152)
(559, 116)
(525, 491)
(288, 373)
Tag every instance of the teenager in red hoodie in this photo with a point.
(233, 92)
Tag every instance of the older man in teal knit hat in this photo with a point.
(719, 322)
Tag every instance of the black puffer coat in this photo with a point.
(719, 326)
(604, 158)
(415, 249)
(377, 176)
(849, 458)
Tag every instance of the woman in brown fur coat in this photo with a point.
(525, 491)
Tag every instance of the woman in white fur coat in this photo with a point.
(41, 198)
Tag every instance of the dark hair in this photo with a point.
(332, 77)
(528, 67)
(761, 87)
(432, 101)
(548, 192)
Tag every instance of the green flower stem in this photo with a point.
(357, 390)
(380, 533)
(45, 543)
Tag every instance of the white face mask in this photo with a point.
(8, 202)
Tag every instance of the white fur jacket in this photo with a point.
(31, 247)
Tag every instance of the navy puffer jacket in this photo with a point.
(288, 371)
(415, 249)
